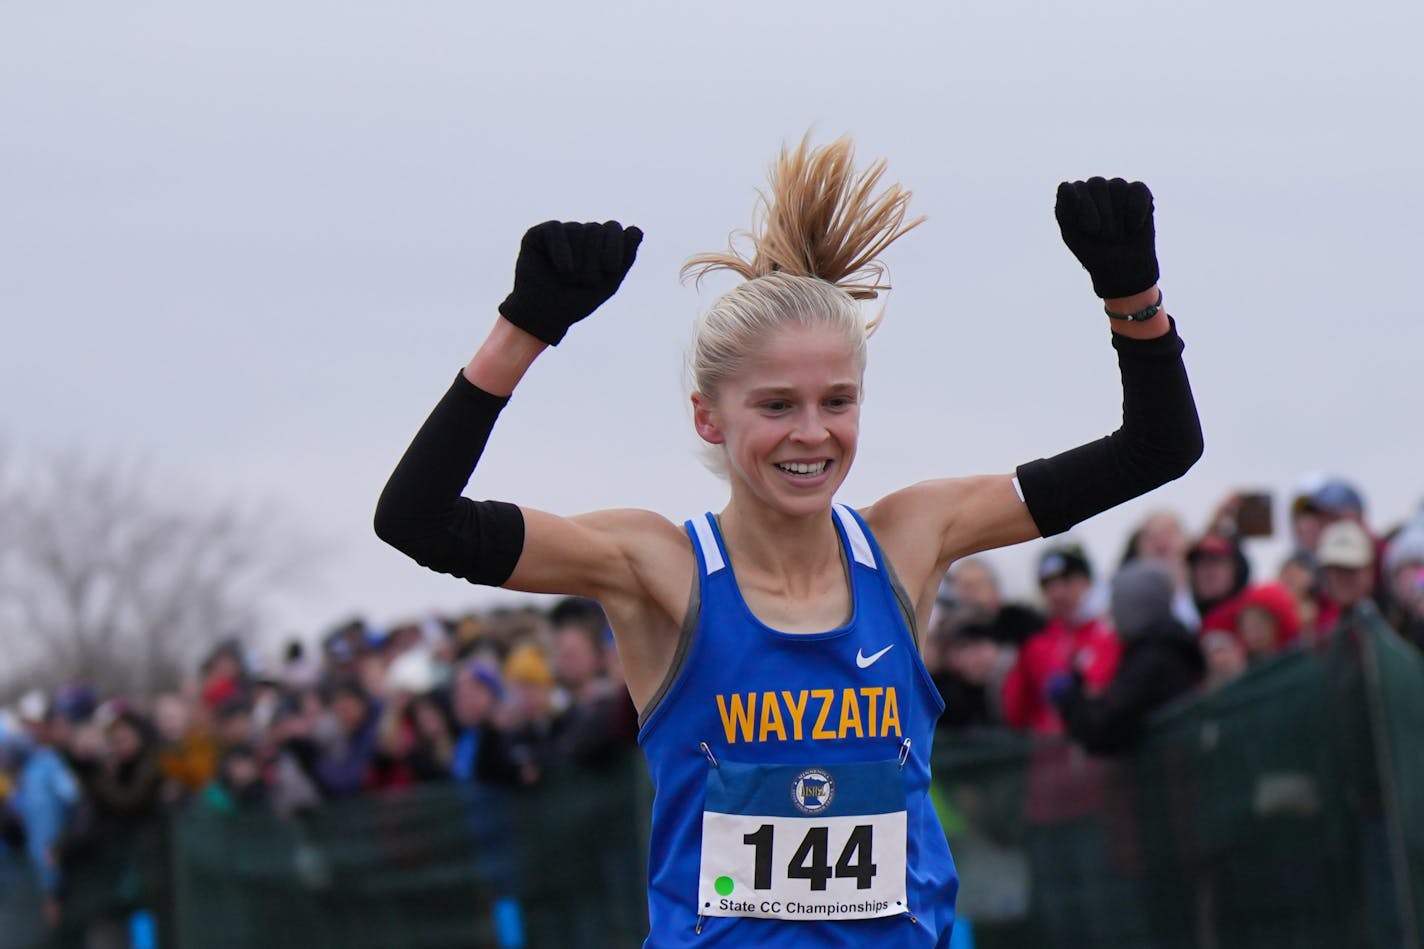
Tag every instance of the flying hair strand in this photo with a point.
(821, 219)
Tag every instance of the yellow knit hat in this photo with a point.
(527, 665)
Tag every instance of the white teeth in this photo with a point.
(802, 468)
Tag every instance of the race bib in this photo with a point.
(790, 842)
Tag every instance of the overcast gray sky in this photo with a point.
(254, 242)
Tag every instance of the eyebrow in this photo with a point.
(765, 391)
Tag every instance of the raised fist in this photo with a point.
(1108, 227)
(565, 271)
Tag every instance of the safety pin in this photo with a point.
(904, 753)
(708, 752)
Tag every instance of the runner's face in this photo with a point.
(790, 421)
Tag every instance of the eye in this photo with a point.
(840, 402)
(776, 405)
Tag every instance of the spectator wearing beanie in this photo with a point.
(1070, 640)
(481, 751)
(1160, 662)
(533, 741)
(1404, 581)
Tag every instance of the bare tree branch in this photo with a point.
(108, 578)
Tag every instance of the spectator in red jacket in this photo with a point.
(1071, 641)
(1268, 620)
(1219, 572)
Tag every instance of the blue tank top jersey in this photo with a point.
(785, 727)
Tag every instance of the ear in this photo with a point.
(705, 421)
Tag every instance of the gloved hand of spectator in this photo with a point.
(1059, 685)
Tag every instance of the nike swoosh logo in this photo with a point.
(865, 662)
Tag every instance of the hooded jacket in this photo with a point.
(1163, 663)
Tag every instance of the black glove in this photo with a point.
(1108, 227)
(564, 272)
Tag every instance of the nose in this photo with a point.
(810, 427)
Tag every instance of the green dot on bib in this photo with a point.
(723, 886)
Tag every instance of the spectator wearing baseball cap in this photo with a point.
(1346, 555)
(1320, 502)
(1218, 572)
(1070, 641)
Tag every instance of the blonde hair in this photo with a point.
(814, 253)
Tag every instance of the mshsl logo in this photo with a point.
(812, 791)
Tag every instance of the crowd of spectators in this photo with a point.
(501, 700)
(507, 697)
(1178, 613)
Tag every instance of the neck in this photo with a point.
(794, 550)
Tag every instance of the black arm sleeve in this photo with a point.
(421, 512)
(1160, 439)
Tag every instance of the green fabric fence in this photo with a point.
(1286, 809)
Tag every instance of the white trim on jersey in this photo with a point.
(859, 544)
(707, 540)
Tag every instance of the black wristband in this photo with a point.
(421, 512)
(1160, 439)
(1141, 316)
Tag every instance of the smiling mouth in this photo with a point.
(801, 469)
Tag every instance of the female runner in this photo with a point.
(772, 649)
